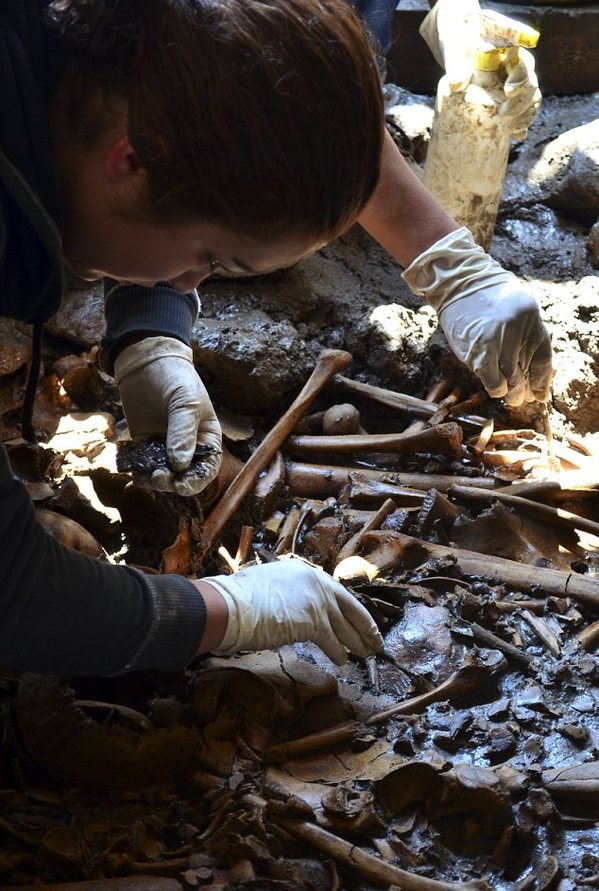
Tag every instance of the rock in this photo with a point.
(574, 159)
(397, 340)
(593, 244)
(80, 318)
(15, 347)
(423, 641)
(250, 360)
(575, 334)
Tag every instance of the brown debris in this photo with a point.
(432, 765)
(330, 362)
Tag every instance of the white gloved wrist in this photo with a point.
(289, 601)
(451, 269)
(491, 322)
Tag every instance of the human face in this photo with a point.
(143, 253)
(107, 233)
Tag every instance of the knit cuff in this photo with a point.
(131, 310)
(179, 622)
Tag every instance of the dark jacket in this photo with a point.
(61, 612)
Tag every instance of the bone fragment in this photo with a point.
(512, 606)
(482, 440)
(373, 868)
(486, 638)
(375, 522)
(366, 492)
(400, 401)
(444, 439)
(328, 365)
(589, 636)
(525, 459)
(436, 507)
(341, 420)
(306, 509)
(542, 512)
(462, 682)
(536, 490)
(69, 533)
(269, 485)
(578, 781)
(446, 406)
(578, 445)
(312, 742)
(521, 576)
(543, 632)
(323, 480)
(435, 394)
(288, 528)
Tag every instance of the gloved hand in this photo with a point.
(163, 394)
(492, 324)
(455, 29)
(288, 601)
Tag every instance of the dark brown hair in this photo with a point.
(264, 116)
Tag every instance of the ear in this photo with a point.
(121, 161)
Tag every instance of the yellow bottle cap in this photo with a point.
(527, 37)
(489, 60)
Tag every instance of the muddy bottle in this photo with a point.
(470, 142)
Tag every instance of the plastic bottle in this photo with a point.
(470, 142)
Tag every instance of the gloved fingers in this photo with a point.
(346, 633)
(360, 621)
(521, 73)
(530, 379)
(187, 483)
(541, 370)
(181, 435)
(486, 367)
(191, 420)
(523, 103)
(458, 68)
(523, 96)
(326, 638)
(451, 29)
(517, 389)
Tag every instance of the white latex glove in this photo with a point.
(455, 29)
(491, 322)
(289, 601)
(163, 394)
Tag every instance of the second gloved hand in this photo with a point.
(455, 29)
(289, 601)
(163, 394)
(491, 322)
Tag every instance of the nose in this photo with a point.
(191, 279)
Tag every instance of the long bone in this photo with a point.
(402, 402)
(521, 576)
(308, 480)
(329, 364)
(444, 439)
(351, 855)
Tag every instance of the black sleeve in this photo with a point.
(63, 613)
(131, 310)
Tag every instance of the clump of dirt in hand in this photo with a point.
(148, 455)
